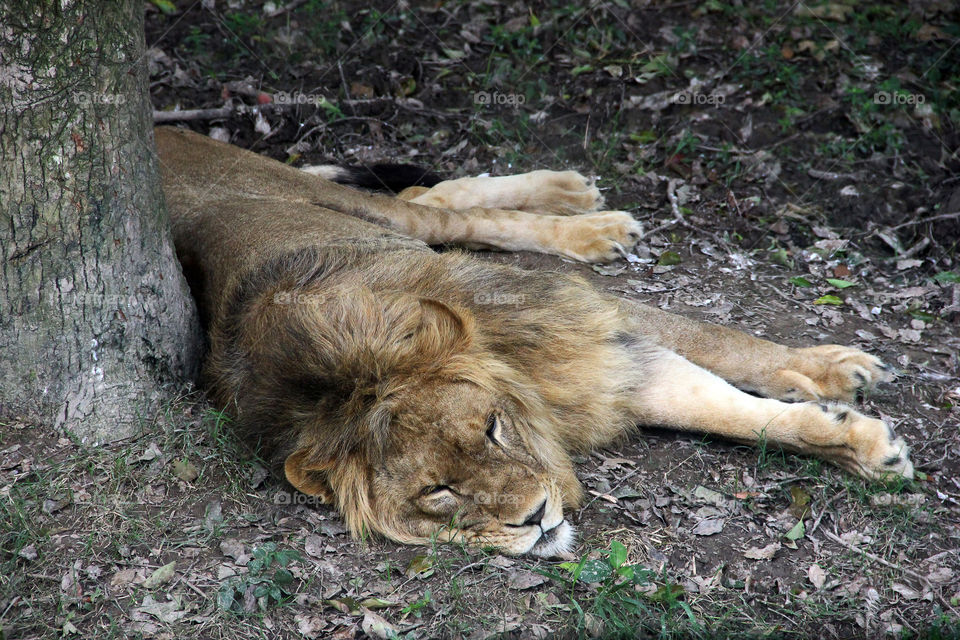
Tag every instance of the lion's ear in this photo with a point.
(442, 328)
(307, 475)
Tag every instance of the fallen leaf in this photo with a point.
(377, 603)
(313, 545)
(345, 604)
(669, 258)
(796, 532)
(817, 576)
(29, 552)
(163, 611)
(233, 548)
(765, 553)
(309, 626)
(709, 495)
(152, 451)
(905, 591)
(125, 578)
(420, 567)
(161, 576)
(376, 626)
(940, 575)
(521, 579)
(799, 502)
(708, 527)
(841, 284)
(185, 470)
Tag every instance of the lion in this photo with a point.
(432, 395)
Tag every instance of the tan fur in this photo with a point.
(436, 395)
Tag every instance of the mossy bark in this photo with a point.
(97, 328)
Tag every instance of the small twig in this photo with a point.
(942, 216)
(194, 587)
(672, 184)
(830, 175)
(188, 115)
(666, 225)
(823, 510)
(346, 87)
(915, 249)
(466, 567)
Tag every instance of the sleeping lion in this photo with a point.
(435, 395)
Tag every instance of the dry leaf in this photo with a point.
(522, 579)
(313, 545)
(185, 470)
(709, 496)
(420, 567)
(708, 527)
(163, 611)
(309, 626)
(817, 576)
(161, 576)
(376, 626)
(766, 553)
(905, 591)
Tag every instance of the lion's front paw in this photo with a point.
(829, 372)
(864, 445)
(599, 237)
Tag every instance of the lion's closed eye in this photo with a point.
(494, 430)
(437, 490)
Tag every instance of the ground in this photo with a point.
(796, 167)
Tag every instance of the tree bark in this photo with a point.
(97, 328)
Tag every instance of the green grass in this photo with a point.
(611, 597)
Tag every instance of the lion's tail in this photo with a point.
(379, 177)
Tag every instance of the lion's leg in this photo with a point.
(828, 372)
(557, 192)
(601, 236)
(680, 395)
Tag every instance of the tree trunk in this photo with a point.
(97, 328)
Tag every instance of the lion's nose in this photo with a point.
(537, 517)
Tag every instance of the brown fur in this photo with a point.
(378, 370)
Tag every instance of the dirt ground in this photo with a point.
(796, 168)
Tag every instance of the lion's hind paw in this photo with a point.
(831, 372)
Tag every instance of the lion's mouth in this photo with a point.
(555, 541)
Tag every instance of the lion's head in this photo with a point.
(397, 414)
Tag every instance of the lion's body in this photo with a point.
(411, 388)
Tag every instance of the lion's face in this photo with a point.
(409, 425)
(461, 464)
